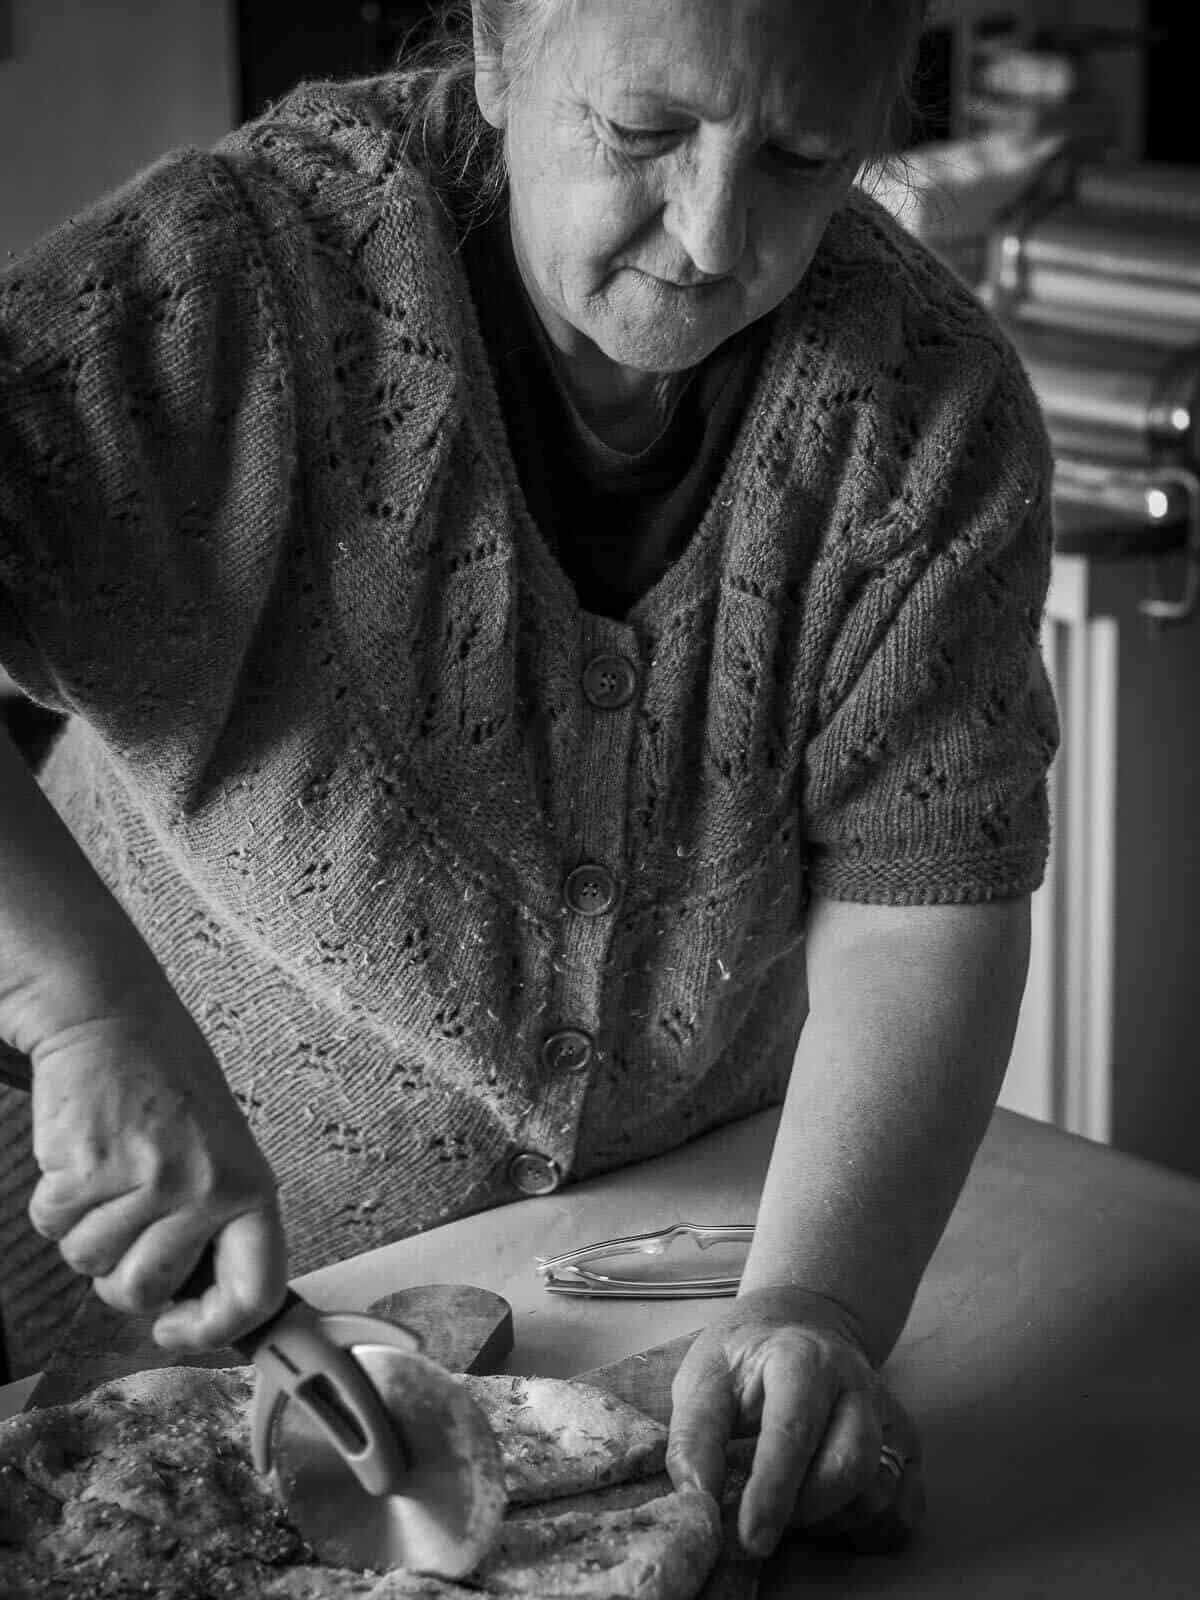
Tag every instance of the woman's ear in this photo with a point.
(491, 84)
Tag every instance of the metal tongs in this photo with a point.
(566, 1274)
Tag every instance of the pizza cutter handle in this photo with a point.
(297, 1361)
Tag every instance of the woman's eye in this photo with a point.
(796, 165)
(653, 141)
(639, 138)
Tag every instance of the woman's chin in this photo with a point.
(664, 346)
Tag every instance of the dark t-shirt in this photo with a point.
(616, 521)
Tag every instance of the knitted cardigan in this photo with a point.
(261, 536)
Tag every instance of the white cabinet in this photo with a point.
(1061, 1065)
(1108, 1044)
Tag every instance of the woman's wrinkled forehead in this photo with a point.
(816, 64)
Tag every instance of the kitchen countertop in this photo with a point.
(1050, 1358)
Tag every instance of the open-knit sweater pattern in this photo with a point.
(261, 536)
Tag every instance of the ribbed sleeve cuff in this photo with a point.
(943, 879)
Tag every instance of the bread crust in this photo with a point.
(145, 1486)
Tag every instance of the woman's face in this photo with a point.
(672, 165)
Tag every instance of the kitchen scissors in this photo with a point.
(568, 1274)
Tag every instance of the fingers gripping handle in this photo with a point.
(204, 1275)
(297, 1360)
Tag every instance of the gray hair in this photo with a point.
(448, 135)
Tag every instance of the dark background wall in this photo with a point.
(282, 41)
(1172, 126)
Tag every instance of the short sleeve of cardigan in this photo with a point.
(144, 403)
(926, 777)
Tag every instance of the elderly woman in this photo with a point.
(547, 608)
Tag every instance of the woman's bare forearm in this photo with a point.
(912, 1014)
(67, 947)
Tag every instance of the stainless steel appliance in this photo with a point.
(1096, 275)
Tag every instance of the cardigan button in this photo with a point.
(533, 1173)
(567, 1050)
(591, 890)
(609, 682)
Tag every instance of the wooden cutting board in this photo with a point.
(645, 1379)
(465, 1328)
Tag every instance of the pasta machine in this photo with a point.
(1095, 273)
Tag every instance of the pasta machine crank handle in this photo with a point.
(1160, 611)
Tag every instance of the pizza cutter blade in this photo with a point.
(443, 1513)
(381, 1458)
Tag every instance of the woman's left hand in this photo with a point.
(787, 1363)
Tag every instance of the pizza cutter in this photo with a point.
(381, 1458)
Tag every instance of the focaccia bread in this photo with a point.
(560, 1438)
(145, 1487)
(664, 1547)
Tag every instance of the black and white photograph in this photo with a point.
(599, 776)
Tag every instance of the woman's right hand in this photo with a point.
(146, 1159)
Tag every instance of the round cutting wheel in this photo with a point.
(448, 1506)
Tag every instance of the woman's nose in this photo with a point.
(706, 214)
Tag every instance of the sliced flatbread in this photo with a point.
(660, 1549)
(655, 1551)
(560, 1438)
(145, 1487)
(141, 1486)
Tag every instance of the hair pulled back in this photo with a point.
(449, 136)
